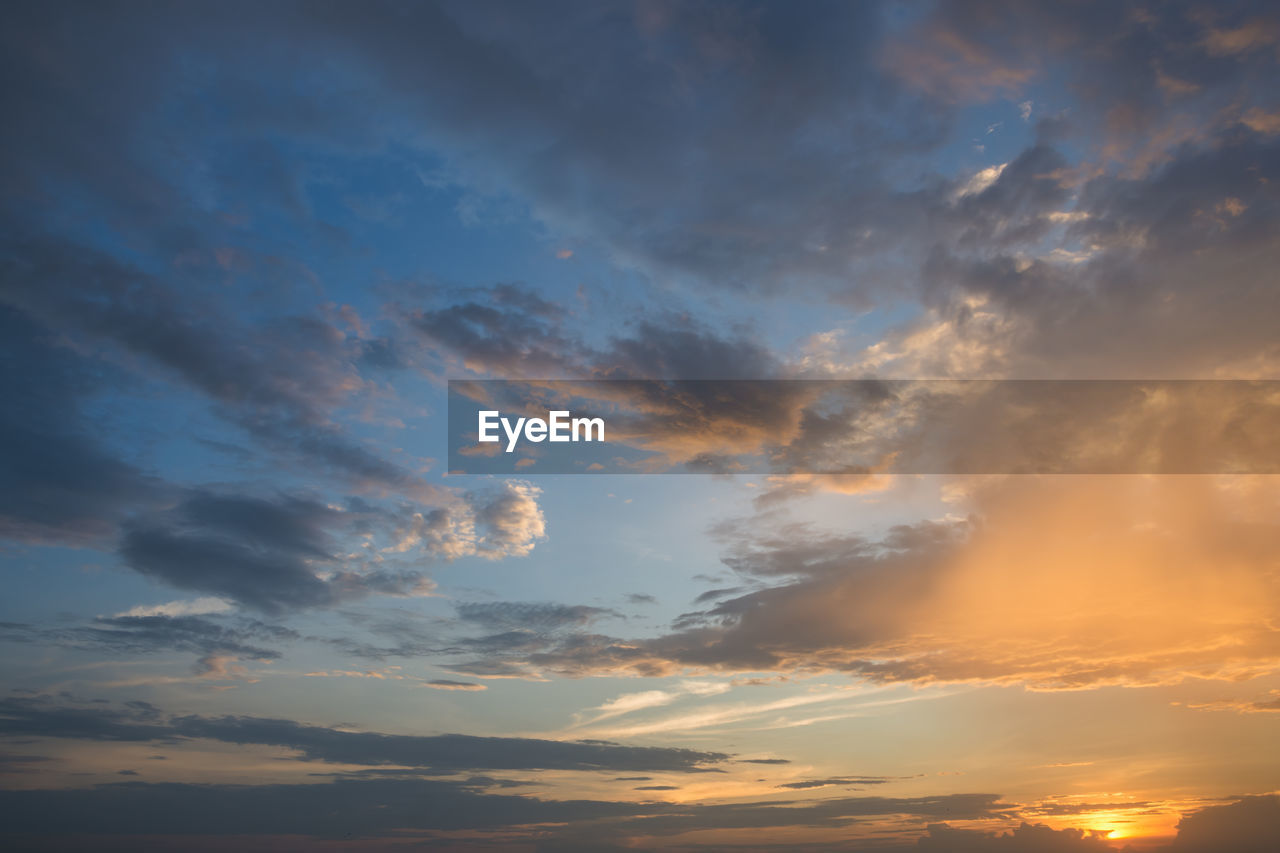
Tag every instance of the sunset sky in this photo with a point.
(250, 603)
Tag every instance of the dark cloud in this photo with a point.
(135, 721)
(531, 616)
(842, 781)
(216, 640)
(716, 594)
(262, 553)
(58, 482)
(170, 816)
(1143, 294)
(39, 717)
(1027, 838)
(489, 668)
(341, 809)
(15, 763)
(624, 162)
(404, 629)
(659, 160)
(682, 348)
(440, 752)
(278, 381)
(446, 684)
(510, 331)
(500, 335)
(202, 635)
(632, 171)
(1100, 249)
(765, 629)
(517, 628)
(1250, 825)
(373, 808)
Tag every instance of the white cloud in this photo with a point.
(980, 181)
(508, 524)
(629, 703)
(190, 607)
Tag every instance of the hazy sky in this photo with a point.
(246, 245)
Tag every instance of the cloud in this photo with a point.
(250, 374)
(445, 684)
(1262, 705)
(39, 717)
(711, 717)
(513, 520)
(339, 809)
(1249, 825)
(510, 331)
(192, 607)
(629, 703)
(633, 179)
(1010, 595)
(60, 483)
(531, 616)
(1131, 233)
(1004, 309)
(375, 807)
(213, 640)
(286, 552)
(157, 814)
(503, 522)
(268, 554)
(136, 721)
(382, 808)
(831, 214)
(981, 181)
(1026, 838)
(19, 763)
(1251, 35)
(843, 781)
(949, 63)
(150, 634)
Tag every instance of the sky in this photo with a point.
(249, 600)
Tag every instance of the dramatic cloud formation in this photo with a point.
(1012, 595)
(443, 754)
(254, 254)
